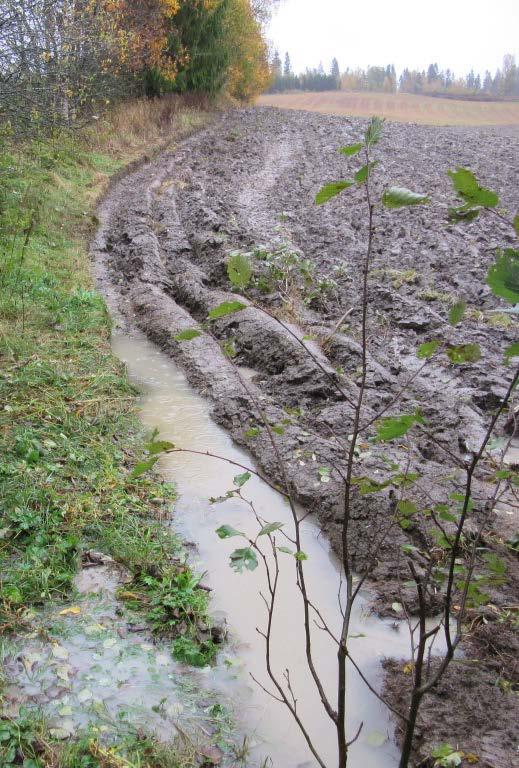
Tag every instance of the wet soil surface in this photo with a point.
(248, 183)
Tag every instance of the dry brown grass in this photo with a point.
(138, 125)
(135, 130)
(401, 107)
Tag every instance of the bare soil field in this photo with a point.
(248, 183)
(404, 107)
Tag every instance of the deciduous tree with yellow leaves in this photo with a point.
(249, 72)
(65, 59)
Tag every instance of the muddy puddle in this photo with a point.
(89, 666)
(183, 417)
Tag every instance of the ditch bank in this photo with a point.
(247, 183)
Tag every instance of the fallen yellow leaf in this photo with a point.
(125, 595)
(74, 610)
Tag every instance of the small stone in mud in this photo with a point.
(95, 558)
(137, 628)
(219, 632)
(212, 755)
(416, 323)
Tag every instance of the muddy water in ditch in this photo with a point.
(183, 416)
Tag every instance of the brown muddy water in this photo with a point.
(183, 417)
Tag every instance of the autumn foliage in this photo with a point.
(67, 59)
(249, 72)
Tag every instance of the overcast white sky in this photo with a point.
(458, 34)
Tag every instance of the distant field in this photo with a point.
(404, 107)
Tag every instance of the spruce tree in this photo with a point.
(276, 65)
(432, 73)
(198, 37)
(287, 70)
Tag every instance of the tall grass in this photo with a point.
(143, 123)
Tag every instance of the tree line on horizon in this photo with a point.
(284, 79)
(503, 85)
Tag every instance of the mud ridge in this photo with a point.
(248, 182)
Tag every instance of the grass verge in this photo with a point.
(26, 742)
(69, 432)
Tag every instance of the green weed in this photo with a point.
(285, 271)
(190, 652)
(398, 277)
(175, 607)
(29, 741)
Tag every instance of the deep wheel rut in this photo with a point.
(247, 183)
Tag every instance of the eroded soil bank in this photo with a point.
(248, 183)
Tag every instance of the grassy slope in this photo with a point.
(68, 427)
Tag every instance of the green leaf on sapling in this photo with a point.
(239, 270)
(374, 131)
(363, 173)
(511, 351)
(427, 349)
(467, 187)
(332, 190)
(142, 467)
(244, 558)
(159, 446)
(351, 149)
(187, 335)
(240, 480)
(398, 197)
(503, 275)
(226, 308)
(396, 426)
(270, 528)
(464, 353)
(227, 532)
